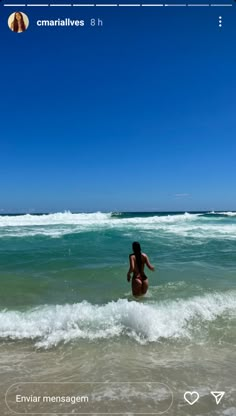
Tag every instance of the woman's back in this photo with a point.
(138, 268)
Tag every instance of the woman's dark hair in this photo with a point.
(16, 23)
(137, 251)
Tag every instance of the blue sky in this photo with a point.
(137, 115)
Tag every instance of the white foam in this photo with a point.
(227, 213)
(97, 218)
(59, 224)
(65, 218)
(50, 325)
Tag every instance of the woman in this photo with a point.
(137, 261)
(18, 24)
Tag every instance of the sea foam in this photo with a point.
(50, 325)
(60, 224)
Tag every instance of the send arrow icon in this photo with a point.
(218, 395)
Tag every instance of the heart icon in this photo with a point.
(191, 397)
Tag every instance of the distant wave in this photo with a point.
(65, 218)
(48, 326)
(86, 219)
(100, 218)
(222, 214)
(194, 225)
(92, 221)
(228, 213)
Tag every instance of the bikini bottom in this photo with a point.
(140, 277)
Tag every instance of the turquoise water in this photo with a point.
(64, 288)
(66, 258)
(60, 258)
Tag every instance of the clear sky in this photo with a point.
(137, 115)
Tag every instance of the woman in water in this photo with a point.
(18, 24)
(137, 261)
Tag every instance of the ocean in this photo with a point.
(69, 322)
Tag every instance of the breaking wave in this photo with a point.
(50, 325)
(197, 225)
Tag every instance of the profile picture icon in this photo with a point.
(18, 22)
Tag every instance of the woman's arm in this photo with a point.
(131, 267)
(147, 262)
